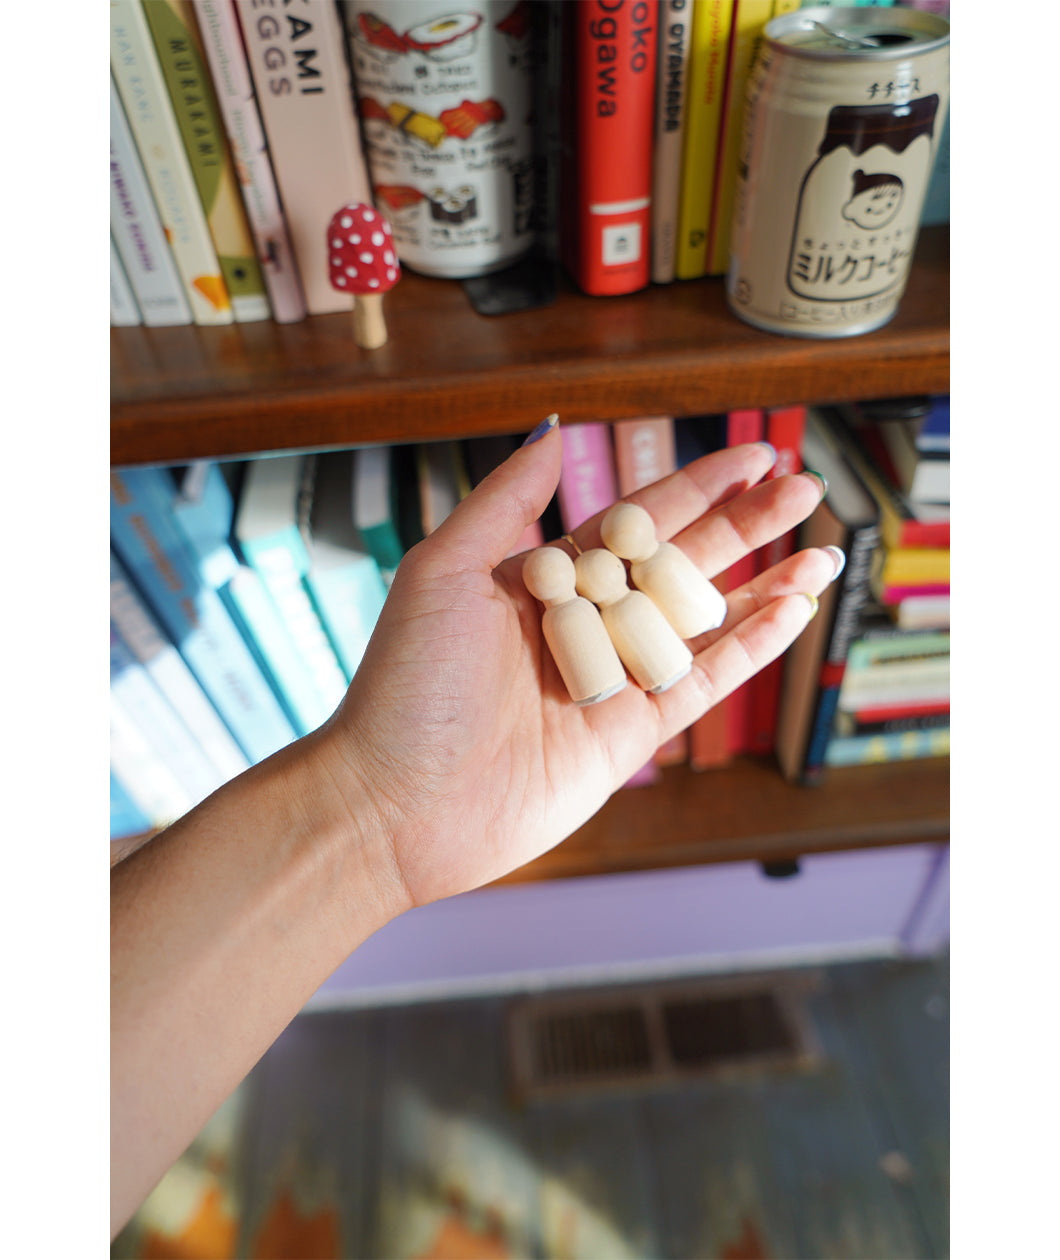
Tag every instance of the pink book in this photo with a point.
(298, 65)
(234, 88)
(645, 451)
(587, 484)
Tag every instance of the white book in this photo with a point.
(124, 313)
(152, 786)
(145, 99)
(137, 230)
(674, 42)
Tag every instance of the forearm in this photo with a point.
(248, 903)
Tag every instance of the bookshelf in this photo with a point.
(185, 393)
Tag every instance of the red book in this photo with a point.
(611, 78)
(784, 430)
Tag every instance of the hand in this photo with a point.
(458, 722)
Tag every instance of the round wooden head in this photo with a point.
(601, 576)
(548, 574)
(629, 532)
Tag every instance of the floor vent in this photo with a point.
(658, 1034)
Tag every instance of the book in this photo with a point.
(919, 715)
(226, 55)
(148, 642)
(671, 90)
(923, 475)
(302, 85)
(645, 452)
(204, 509)
(708, 60)
(442, 479)
(124, 313)
(344, 580)
(902, 524)
(914, 567)
(608, 179)
(784, 431)
(126, 818)
(857, 750)
(375, 507)
(482, 455)
(748, 23)
(847, 518)
(151, 785)
(182, 61)
(922, 612)
(165, 734)
(587, 482)
(137, 230)
(145, 99)
(269, 540)
(146, 539)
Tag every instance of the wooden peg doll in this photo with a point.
(648, 645)
(573, 629)
(688, 601)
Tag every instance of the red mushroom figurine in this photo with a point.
(363, 263)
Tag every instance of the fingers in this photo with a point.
(484, 527)
(734, 657)
(674, 502)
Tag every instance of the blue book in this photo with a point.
(147, 540)
(205, 509)
(269, 540)
(126, 817)
(933, 431)
(343, 578)
(151, 646)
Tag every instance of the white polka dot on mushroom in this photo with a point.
(377, 238)
(346, 221)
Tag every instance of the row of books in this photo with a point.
(869, 681)
(235, 137)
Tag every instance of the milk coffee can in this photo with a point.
(845, 110)
(444, 100)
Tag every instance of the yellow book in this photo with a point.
(708, 56)
(916, 566)
(748, 24)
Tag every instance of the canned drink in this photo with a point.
(845, 108)
(444, 100)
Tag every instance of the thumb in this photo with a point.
(484, 527)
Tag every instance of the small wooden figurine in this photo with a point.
(688, 601)
(362, 262)
(648, 645)
(573, 629)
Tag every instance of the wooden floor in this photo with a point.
(394, 1133)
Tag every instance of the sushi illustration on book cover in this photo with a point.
(444, 98)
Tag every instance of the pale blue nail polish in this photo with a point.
(772, 452)
(546, 426)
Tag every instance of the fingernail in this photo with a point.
(840, 559)
(772, 452)
(810, 472)
(546, 426)
(813, 603)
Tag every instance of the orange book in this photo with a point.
(607, 245)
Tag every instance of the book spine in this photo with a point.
(137, 229)
(349, 601)
(149, 112)
(147, 542)
(124, 313)
(180, 56)
(749, 21)
(126, 818)
(170, 674)
(162, 729)
(784, 429)
(850, 601)
(671, 93)
(708, 58)
(587, 483)
(859, 750)
(302, 85)
(614, 54)
(154, 789)
(223, 44)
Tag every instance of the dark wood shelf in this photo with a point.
(184, 393)
(746, 811)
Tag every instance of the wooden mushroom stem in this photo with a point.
(369, 325)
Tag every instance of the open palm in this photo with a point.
(459, 721)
